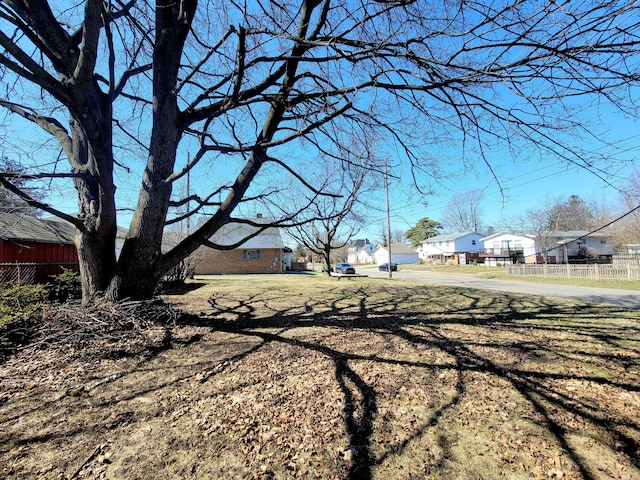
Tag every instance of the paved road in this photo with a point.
(624, 298)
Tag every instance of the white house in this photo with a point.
(508, 247)
(400, 254)
(558, 247)
(361, 251)
(579, 244)
(445, 247)
(632, 248)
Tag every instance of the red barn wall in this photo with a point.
(50, 259)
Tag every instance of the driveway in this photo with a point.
(622, 298)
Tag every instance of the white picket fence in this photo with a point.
(627, 272)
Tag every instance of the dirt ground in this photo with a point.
(299, 376)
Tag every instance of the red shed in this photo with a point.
(32, 249)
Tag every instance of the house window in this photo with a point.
(473, 242)
(518, 244)
(603, 242)
(251, 254)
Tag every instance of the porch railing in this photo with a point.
(500, 252)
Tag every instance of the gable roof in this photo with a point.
(234, 232)
(399, 248)
(447, 237)
(33, 229)
(360, 242)
(506, 232)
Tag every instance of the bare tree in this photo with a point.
(397, 235)
(535, 221)
(463, 212)
(625, 222)
(557, 214)
(259, 90)
(329, 222)
(10, 201)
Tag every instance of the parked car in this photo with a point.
(384, 267)
(345, 268)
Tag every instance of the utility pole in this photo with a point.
(386, 195)
(188, 193)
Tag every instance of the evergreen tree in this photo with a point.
(572, 214)
(425, 228)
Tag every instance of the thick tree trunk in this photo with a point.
(91, 158)
(138, 270)
(97, 261)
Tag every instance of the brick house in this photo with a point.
(262, 253)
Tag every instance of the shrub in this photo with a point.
(20, 306)
(19, 301)
(65, 286)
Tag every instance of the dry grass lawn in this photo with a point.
(300, 376)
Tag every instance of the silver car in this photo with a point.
(345, 268)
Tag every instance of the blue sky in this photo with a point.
(529, 188)
(523, 184)
(526, 182)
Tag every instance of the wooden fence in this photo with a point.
(625, 259)
(298, 266)
(627, 272)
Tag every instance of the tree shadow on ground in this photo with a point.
(533, 339)
(406, 364)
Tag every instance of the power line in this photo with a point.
(606, 225)
(594, 231)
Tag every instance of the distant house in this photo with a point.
(32, 249)
(557, 247)
(577, 245)
(400, 254)
(450, 247)
(262, 253)
(361, 251)
(632, 248)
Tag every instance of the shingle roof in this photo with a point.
(577, 233)
(33, 229)
(445, 237)
(361, 242)
(234, 232)
(400, 248)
